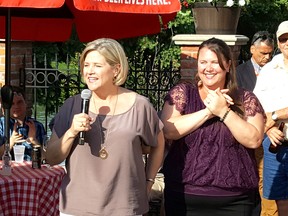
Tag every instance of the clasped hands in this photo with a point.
(19, 138)
(218, 101)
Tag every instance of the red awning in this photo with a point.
(52, 20)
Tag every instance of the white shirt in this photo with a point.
(272, 87)
(257, 67)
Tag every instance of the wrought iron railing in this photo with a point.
(49, 87)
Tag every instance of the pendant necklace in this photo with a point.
(103, 153)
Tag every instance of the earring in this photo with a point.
(114, 78)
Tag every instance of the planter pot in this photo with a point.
(215, 20)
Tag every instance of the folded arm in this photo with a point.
(177, 126)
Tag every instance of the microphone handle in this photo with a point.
(85, 106)
(84, 109)
(81, 138)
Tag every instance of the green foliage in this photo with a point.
(63, 58)
(183, 23)
(72, 48)
(261, 15)
(255, 16)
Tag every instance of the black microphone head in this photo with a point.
(86, 94)
(7, 96)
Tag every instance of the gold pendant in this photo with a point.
(103, 154)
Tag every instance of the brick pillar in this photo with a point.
(2, 64)
(188, 62)
(19, 49)
(189, 47)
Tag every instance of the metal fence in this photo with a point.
(48, 86)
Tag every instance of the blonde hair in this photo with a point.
(113, 53)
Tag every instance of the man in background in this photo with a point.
(271, 89)
(262, 47)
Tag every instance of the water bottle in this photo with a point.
(6, 163)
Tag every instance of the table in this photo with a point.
(30, 191)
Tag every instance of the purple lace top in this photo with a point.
(209, 161)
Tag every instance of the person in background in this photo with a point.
(23, 129)
(215, 126)
(271, 89)
(262, 47)
(106, 175)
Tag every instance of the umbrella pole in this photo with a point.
(7, 97)
(7, 100)
(7, 75)
(8, 47)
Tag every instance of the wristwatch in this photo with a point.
(274, 116)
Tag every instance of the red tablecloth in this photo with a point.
(30, 191)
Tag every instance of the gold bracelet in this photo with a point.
(225, 115)
(150, 180)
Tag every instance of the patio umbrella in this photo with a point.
(52, 20)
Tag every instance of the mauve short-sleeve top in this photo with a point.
(116, 185)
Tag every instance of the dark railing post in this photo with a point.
(146, 77)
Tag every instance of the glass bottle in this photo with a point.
(6, 161)
(274, 149)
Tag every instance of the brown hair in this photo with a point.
(18, 90)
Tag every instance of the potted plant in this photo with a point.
(215, 3)
(215, 16)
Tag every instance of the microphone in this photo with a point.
(85, 95)
(7, 100)
(7, 96)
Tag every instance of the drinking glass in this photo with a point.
(19, 153)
